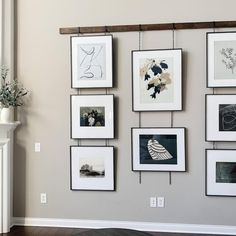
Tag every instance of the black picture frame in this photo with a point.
(158, 149)
(92, 116)
(91, 61)
(92, 168)
(220, 59)
(220, 172)
(157, 69)
(219, 122)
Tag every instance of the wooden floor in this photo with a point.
(51, 231)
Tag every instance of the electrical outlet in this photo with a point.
(160, 202)
(43, 198)
(153, 202)
(37, 147)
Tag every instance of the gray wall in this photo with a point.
(43, 65)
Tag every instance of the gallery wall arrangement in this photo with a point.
(157, 87)
(92, 116)
(221, 113)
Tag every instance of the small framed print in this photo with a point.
(158, 149)
(220, 117)
(157, 80)
(91, 61)
(221, 59)
(92, 116)
(220, 172)
(92, 168)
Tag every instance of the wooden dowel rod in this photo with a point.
(147, 27)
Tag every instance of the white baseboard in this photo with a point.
(144, 226)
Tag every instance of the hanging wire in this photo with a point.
(173, 36)
(172, 113)
(139, 113)
(106, 91)
(106, 31)
(214, 27)
(213, 90)
(78, 90)
(173, 47)
(107, 140)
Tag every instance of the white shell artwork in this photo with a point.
(157, 151)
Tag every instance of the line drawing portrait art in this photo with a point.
(91, 61)
(156, 80)
(227, 117)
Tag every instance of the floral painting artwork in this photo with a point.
(229, 58)
(221, 59)
(157, 80)
(225, 60)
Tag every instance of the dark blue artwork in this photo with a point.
(169, 142)
(225, 172)
(227, 117)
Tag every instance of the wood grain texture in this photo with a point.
(57, 231)
(147, 27)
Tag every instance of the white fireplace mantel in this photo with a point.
(6, 173)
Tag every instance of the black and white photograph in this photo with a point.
(221, 59)
(92, 168)
(92, 116)
(221, 172)
(91, 61)
(221, 117)
(158, 149)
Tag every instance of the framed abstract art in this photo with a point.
(91, 61)
(220, 172)
(221, 117)
(158, 149)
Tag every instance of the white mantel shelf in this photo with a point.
(7, 127)
(6, 173)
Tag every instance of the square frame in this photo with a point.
(220, 172)
(220, 121)
(221, 59)
(158, 149)
(92, 116)
(91, 61)
(92, 168)
(157, 80)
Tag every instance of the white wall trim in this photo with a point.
(144, 226)
(7, 35)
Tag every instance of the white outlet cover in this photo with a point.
(160, 202)
(37, 147)
(43, 198)
(153, 202)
